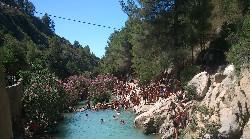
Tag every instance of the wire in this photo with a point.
(79, 21)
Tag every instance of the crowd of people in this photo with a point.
(10, 79)
(129, 94)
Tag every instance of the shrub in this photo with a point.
(193, 125)
(239, 53)
(44, 99)
(190, 91)
(101, 87)
(188, 73)
(76, 87)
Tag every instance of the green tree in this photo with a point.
(29, 7)
(118, 54)
(13, 54)
(32, 52)
(54, 57)
(48, 22)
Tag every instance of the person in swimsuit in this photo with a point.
(176, 127)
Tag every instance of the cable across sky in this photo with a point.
(2, 4)
(77, 21)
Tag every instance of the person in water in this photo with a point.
(114, 117)
(118, 113)
(102, 121)
(87, 115)
(122, 121)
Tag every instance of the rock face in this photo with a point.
(230, 126)
(229, 98)
(146, 120)
(201, 82)
(246, 131)
(226, 95)
(5, 118)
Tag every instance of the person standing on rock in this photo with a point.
(176, 127)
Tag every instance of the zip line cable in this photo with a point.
(79, 21)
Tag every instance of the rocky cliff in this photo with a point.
(220, 109)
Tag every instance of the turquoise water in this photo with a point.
(77, 126)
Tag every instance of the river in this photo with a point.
(77, 126)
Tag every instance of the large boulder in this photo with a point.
(146, 120)
(230, 126)
(201, 82)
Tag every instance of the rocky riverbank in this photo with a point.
(220, 108)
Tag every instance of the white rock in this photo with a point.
(200, 81)
(229, 70)
(246, 131)
(229, 124)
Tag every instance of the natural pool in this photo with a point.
(77, 126)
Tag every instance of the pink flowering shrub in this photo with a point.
(100, 88)
(76, 86)
(46, 97)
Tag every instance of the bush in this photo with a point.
(239, 53)
(188, 73)
(101, 87)
(193, 125)
(190, 91)
(76, 86)
(46, 97)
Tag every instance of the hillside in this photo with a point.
(26, 39)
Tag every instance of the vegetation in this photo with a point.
(239, 52)
(46, 97)
(101, 87)
(25, 39)
(188, 73)
(168, 34)
(190, 91)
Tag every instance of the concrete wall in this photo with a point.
(5, 116)
(15, 99)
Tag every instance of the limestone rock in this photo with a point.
(149, 127)
(246, 131)
(145, 121)
(229, 71)
(230, 126)
(201, 82)
(219, 77)
(169, 134)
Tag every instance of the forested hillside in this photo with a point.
(176, 34)
(26, 40)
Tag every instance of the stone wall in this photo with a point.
(5, 118)
(15, 98)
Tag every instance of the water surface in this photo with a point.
(77, 126)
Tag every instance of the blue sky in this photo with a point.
(103, 12)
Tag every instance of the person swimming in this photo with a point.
(114, 117)
(102, 121)
(118, 113)
(122, 121)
